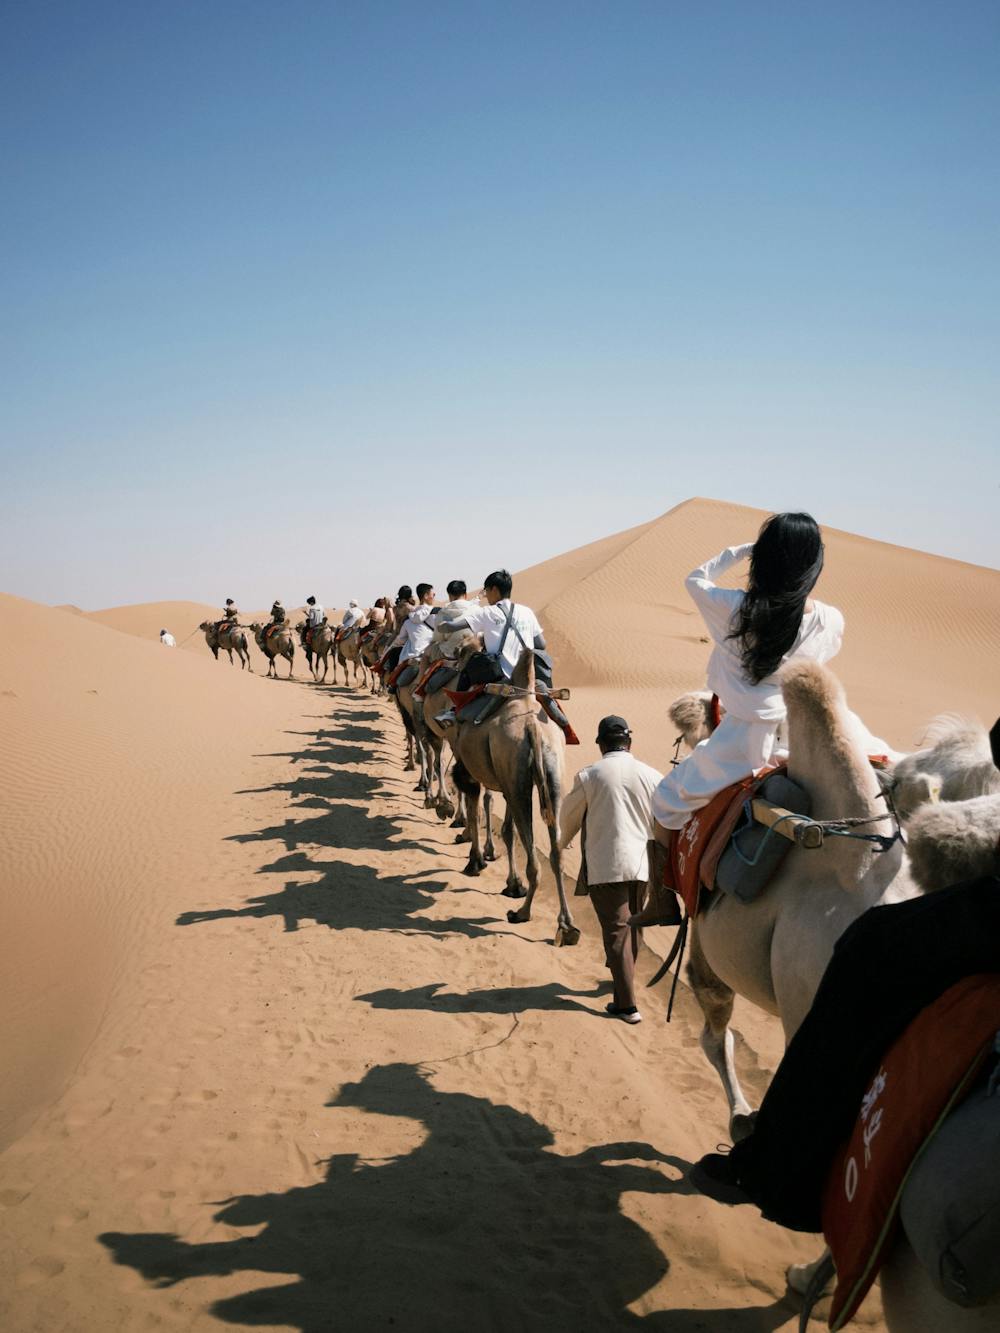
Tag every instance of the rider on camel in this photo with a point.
(756, 631)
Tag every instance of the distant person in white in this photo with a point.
(610, 801)
(491, 622)
(167, 639)
(774, 621)
(353, 615)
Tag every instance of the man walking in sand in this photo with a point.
(167, 639)
(611, 801)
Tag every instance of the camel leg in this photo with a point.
(520, 808)
(514, 888)
(489, 851)
(715, 1000)
(445, 807)
(472, 791)
(566, 932)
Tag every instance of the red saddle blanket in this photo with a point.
(271, 630)
(396, 672)
(926, 1071)
(695, 849)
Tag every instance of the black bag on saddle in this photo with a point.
(485, 668)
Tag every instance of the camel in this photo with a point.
(374, 645)
(774, 951)
(320, 648)
(516, 750)
(281, 643)
(426, 746)
(348, 650)
(954, 764)
(230, 638)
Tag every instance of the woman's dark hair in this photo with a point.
(405, 593)
(785, 563)
(501, 580)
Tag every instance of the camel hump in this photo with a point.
(954, 841)
(808, 684)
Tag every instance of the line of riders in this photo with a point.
(896, 863)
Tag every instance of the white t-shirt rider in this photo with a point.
(489, 621)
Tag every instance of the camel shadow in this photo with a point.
(318, 782)
(339, 826)
(481, 1225)
(502, 1000)
(348, 897)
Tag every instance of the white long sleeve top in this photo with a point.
(819, 638)
(416, 633)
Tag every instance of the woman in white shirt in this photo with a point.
(755, 632)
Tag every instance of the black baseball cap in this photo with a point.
(612, 727)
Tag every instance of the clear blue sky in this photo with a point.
(325, 296)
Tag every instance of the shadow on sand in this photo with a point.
(481, 1226)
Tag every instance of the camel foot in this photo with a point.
(567, 936)
(514, 889)
(463, 837)
(741, 1126)
(473, 868)
(458, 823)
(409, 767)
(490, 854)
(429, 802)
(445, 810)
(519, 917)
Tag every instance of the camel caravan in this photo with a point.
(851, 891)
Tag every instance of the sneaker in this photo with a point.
(717, 1177)
(626, 1015)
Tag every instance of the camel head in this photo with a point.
(691, 714)
(955, 841)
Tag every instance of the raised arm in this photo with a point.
(716, 604)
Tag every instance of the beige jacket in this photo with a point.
(615, 795)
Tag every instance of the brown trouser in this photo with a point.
(614, 904)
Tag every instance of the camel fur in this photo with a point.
(954, 764)
(317, 651)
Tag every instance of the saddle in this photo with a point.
(924, 1074)
(697, 849)
(479, 703)
(434, 678)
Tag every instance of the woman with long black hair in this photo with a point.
(755, 632)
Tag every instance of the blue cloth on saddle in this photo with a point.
(755, 852)
(407, 676)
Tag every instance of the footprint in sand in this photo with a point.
(38, 1270)
(71, 1217)
(11, 1198)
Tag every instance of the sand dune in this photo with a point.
(269, 1058)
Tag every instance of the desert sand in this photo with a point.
(270, 1059)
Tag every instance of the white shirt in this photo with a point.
(819, 638)
(489, 621)
(416, 633)
(616, 795)
(168, 640)
(352, 615)
(315, 615)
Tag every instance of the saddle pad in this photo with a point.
(924, 1073)
(434, 678)
(696, 848)
(751, 857)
